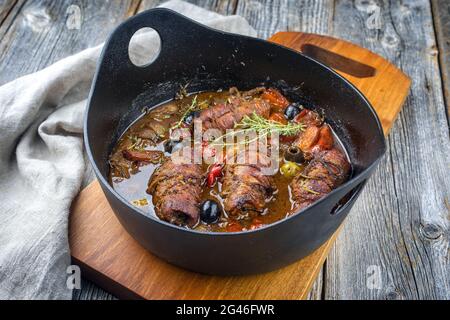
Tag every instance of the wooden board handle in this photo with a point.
(386, 90)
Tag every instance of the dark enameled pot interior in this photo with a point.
(210, 60)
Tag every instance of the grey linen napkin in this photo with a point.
(42, 164)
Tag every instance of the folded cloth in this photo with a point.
(42, 164)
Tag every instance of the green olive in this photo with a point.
(290, 169)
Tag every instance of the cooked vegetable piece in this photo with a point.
(171, 146)
(275, 98)
(140, 202)
(326, 140)
(294, 154)
(191, 116)
(210, 211)
(308, 139)
(278, 117)
(289, 169)
(214, 173)
(309, 118)
(143, 156)
(292, 111)
(147, 133)
(234, 227)
(256, 224)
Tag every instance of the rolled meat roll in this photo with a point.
(325, 172)
(245, 188)
(176, 191)
(225, 115)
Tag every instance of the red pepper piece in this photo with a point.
(214, 173)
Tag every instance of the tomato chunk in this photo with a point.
(326, 140)
(275, 98)
(308, 138)
(308, 118)
(234, 227)
(278, 117)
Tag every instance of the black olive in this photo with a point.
(292, 110)
(190, 117)
(171, 145)
(294, 154)
(168, 146)
(209, 211)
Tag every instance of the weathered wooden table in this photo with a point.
(395, 243)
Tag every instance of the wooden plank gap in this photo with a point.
(441, 23)
(235, 7)
(135, 7)
(6, 9)
(13, 19)
(324, 282)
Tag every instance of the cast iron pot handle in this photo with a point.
(174, 31)
(334, 205)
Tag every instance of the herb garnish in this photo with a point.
(192, 107)
(140, 202)
(137, 143)
(304, 187)
(262, 126)
(182, 93)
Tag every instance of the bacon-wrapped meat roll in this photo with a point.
(176, 191)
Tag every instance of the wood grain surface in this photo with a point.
(441, 14)
(401, 228)
(104, 250)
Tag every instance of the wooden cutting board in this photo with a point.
(109, 256)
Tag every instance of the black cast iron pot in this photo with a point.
(209, 59)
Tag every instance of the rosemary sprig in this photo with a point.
(192, 107)
(304, 187)
(182, 93)
(219, 140)
(310, 190)
(258, 123)
(136, 143)
(262, 126)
